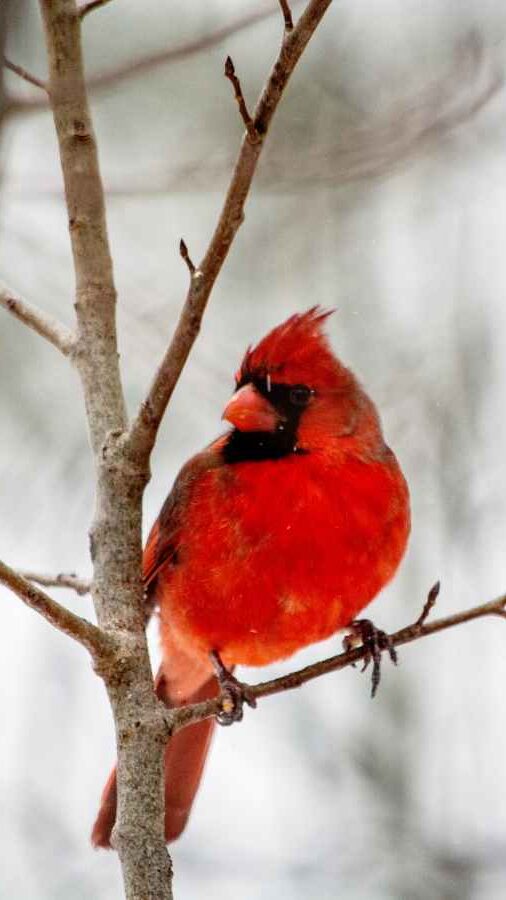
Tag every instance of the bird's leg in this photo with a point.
(362, 632)
(234, 693)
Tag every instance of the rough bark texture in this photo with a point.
(96, 351)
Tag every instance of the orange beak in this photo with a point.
(247, 410)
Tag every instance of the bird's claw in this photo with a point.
(362, 632)
(234, 694)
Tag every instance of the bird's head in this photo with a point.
(293, 395)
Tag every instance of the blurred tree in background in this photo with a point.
(383, 193)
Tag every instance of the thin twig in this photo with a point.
(153, 61)
(239, 96)
(25, 75)
(45, 325)
(89, 7)
(94, 639)
(64, 580)
(187, 715)
(183, 250)
(287, 15)
(145, 426)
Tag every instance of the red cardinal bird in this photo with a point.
(272, 538)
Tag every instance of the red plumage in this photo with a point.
(274, 537)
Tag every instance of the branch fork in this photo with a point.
(96, 641)
(25, 75)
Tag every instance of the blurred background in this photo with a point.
(382, 193)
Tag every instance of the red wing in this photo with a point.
(159, 551)
(165, 537)
(161, 547)
(150, 565)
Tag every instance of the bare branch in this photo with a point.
(144, 428)
(403, 636)
(155, 60)
(187, 715)
(115, 535)
(45, 325)
(25, 75)
(89, 7)
(243, 109)
(94, 639)
(96, 351)
(65, 580)
(287, 14)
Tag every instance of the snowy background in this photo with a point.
(382, 193)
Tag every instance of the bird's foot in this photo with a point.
(362, 632)
(234, 694)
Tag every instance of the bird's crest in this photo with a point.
(295, 352)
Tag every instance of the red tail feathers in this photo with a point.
(185, 754)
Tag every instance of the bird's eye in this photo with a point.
(300, 395)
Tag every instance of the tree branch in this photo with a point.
(57, 334)
(241, 103)
(95, 640)
(115, 535)
(90, 6)
(25, 75)
(145, 427)
(65, 580)
(96, 351)
(287, 14)
(187, 715)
